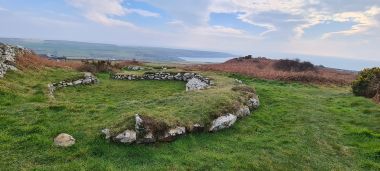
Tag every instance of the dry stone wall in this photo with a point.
(8, 55)
(87, 79)
(194, 81)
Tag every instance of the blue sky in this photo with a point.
(339, 28)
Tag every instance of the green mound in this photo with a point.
(164, 101)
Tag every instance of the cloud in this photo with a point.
(103, 11)
(3, 9)
(143, 12)
(365, 21)
(218, 30)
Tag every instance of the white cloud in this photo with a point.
(143, 12)
(3, 9)
(365, 21)
(102, 11)
(218, 30)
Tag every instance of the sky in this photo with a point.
(340, 28)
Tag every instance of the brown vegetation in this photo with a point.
(281, 70)
(33, 61)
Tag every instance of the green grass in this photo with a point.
(297, 127)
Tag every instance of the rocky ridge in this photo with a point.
(8, 55)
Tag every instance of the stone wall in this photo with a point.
(87, 79)
(194, 81)
(8, 55)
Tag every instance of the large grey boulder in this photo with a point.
(128, 136)
(196, 84)
(64, 140)
(223, 122)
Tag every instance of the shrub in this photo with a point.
(293, 65)
(367, 83)
(96, 66)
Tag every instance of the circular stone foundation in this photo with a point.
(210, 103)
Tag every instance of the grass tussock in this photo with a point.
(283, 70)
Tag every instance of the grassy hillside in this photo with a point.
(283, 70)
(297, 127)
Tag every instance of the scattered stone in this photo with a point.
(238, 81)
(253, 103)
(195, 84)
(128, 136)
(243, 111)
(107, 133)
(223, 122)
(64, 140)
(135, 68)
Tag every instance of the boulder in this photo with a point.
(195, 84)
(107, 133)
(64, 140)
(171, 134)
(243, 111)
(222, 122)
(253, 103)
(128, 136)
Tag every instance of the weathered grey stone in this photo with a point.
(64, 140)
(128, 136)
(195, 84)
(77, 82)
(143, 134)
(243, 111)
(8, 55)
(172, 133)
(107, 133)
(222, 122)
(253, 103)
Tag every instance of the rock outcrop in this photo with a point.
(8, 55)
(64, 140)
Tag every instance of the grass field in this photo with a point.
(297, 127)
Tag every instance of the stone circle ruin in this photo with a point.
(145, 130)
